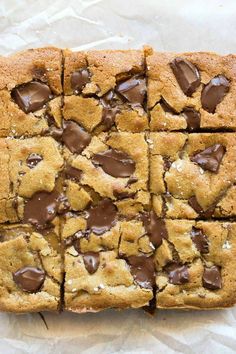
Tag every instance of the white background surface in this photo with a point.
(175, 25)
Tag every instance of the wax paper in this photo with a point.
(175, 25)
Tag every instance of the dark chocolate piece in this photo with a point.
(32, 96)
(210, 158)
(200, 240)
(115, 163)
(29, 279)
(42, 208)
(121, 195)
(211, 278)
(40, 74)
(193, 118)
(33, 159)
(186, 74)
(101, 217)
(133, 89)
(214, 92)
(178, 274)
(73, 173)
(206, 214)
(143, 270)
(91, 261)
(167, 107)
(75, 137)
(155, 228)
(79, 79)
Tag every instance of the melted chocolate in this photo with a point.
(187, 75)
(79, 79)
(155, 228)
(178, 274)
(32, 96)
(33, 159)
(143, 270)
(212, 278)
(210, 158)
(115, 163)
(133, 90)
(193, 118)
(200, 240)
(29, 279)
(42, 208)
(101, 217)
(214, 92)
(75, 137)
(91, 261)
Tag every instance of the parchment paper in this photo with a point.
(175, 25)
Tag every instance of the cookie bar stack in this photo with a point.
(118, 180)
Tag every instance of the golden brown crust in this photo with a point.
(222, 251)
(163, 84)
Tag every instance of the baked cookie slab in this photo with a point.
(105, 90)
(108, 255)
(191, 91)
(193, 175)
(194, 265)
(31, 268)
(30, 92)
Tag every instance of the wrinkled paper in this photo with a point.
(174, 25)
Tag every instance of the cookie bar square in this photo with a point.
(30, 179)
(108, 254)
(105, 90)
(194, 265)
(30, 92)
(191, 91)
(193, 175)
(31, 268)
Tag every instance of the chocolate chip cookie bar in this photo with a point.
(31, 268)
(191, 91)
(31, 201)
(105, 90)
(30, 92)
(193, 175)
(194, 265)
(104, 231)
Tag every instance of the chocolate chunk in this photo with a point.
(214, 92)
(143, 270)
(79, 79)
(186, 74)
(42, 208)
(101, 217)
(73, 173)
(212, 278)
(132, 180)
(121, 195)
(40, 74)
(33, 159)
(206, 214)
(155, 228)
(91, 261)
(167, 107)
(32, 96)
(75, 137)
(133, 89)
(178, 274)
(56, 133)
(193, 118)
(115, 163)
(210, 158)
(167, 163)
(200, 240)
(107, 99)
(29, 279)
(108, 116)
